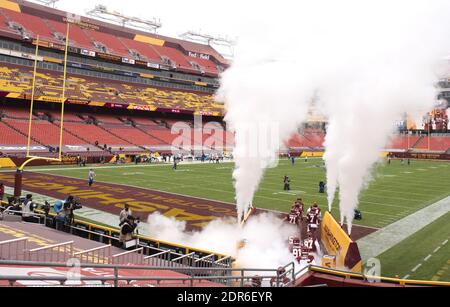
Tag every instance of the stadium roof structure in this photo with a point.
(208, 39)
(103, 13)
(47, 2)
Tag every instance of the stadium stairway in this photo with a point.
(435, 143)
(418, 142)
(119, 137)
(78, 136)
(158, 140)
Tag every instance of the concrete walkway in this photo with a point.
(381, 241)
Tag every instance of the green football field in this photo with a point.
(423, 256)
(396, 191)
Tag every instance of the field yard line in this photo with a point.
(416, 268)
(207, 199)
(379, 242)
(230, 192)
(426, 259)
(184, 163)
(37, 170)
(273, 184)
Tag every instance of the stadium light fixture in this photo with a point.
(103, 13)
(211, 40)
(51, 3)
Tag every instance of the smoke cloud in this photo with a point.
(265, 234)
(367, 63)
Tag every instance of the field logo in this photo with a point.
(372, 270)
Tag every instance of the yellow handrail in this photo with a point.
(158, 242)
(382, 279)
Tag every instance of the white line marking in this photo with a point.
(445, 242)
(416, 268)
(427, 258)
(407, 276)
(436, 250)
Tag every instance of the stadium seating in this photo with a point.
(47, 29)
(112, 43)
(137, 136)
(17, 113)
(207, 66)
(146, 51)
(93, 134)
(18, 79)
(9, 136)
(177, 57)
(76, 36)
(107, 119)
(34, 25)
(116, 132)
(307, 139)
(45, 132)
(402, 142)
(68, 117)
(435, 143)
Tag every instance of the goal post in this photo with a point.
(29, 157)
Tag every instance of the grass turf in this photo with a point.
(423, 256)
(396, 191)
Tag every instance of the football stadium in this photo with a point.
(317, 157)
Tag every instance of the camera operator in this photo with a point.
(70, 206)
(124, 214)
(127, 229)
(28, 209)
(14, 205)
(46, 208)
(65, 208)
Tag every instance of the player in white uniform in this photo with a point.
(91, 177)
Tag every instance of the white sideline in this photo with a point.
(115, 166)
(381, 241)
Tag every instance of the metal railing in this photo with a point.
(58, 253)
(134, 257)
(231, 277)
(225, 262)
(160, 259)
(14, 249)
(99, 255)
(92, 231)
(184, 261)
(205, 262)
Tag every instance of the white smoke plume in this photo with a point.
(369, 62)
(265, 234)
